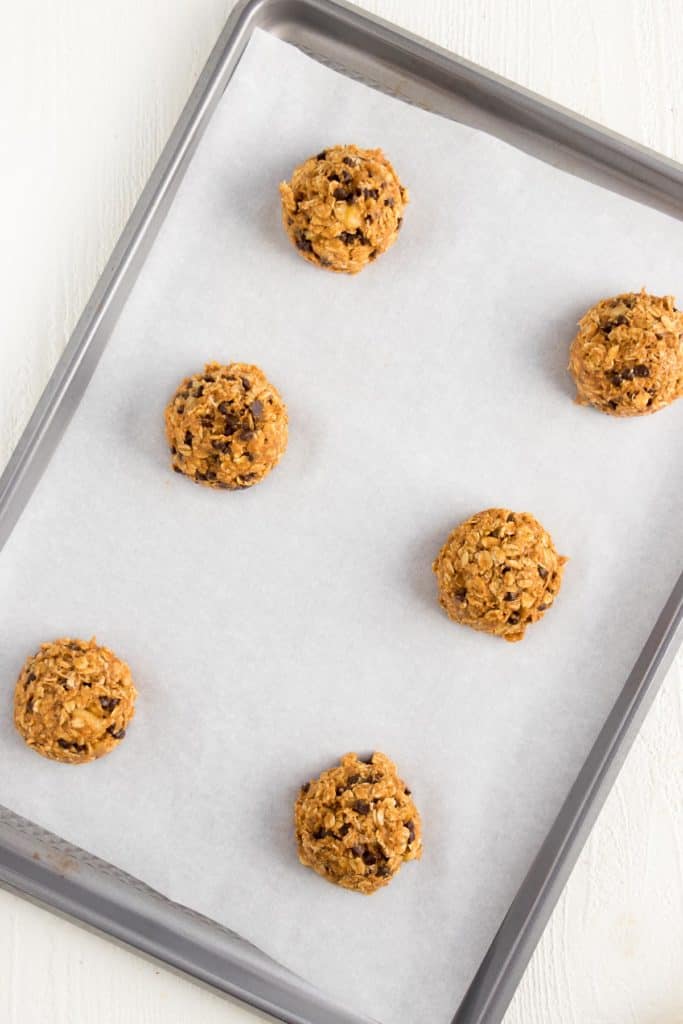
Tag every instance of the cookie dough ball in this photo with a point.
(356, 824)
(226, 427)
(343, 207)
(498, 571)
(627, 358)
(74, 700)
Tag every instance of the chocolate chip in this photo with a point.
(333, 177)
(180, 409)
(460, 594)
(357, 851)
(248, 476)
(114, 734)
(641, 370)
(510, 596)
(221, 446)
(612, 404)
(361, 807)
(407, 791)
(542, 607)
(383, 871)
(30, 678)
(348, 237)
(303, 243)
(371, 193)
(210, 475)
(345, 829)
(340, 789)
(514, 619)
(649, 402)
(246, 383)
(198, 390)
(322, 156)
(542, 571)
(29, 705)
(109, 703)
(511, 518)
(177, 469)
(616, 322)
(353, 780)
(200, 476)
(232, 424)
(256, 409)
(174, 450)
(209, 379)
(79, 748)
(369, 858)
(342, 193)
(389, 202)
(188, 437)
(349, 161)
(246, 434)
(183, 394)
(346, 177)
(305, 788)
(320, 833)
(410, 825)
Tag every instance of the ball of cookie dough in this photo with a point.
(74, 700)
(343, 207)
(498, 571)
(226, 427)
(627, 358)
(356, 824)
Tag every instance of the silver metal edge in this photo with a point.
(55, 874)
(508, 955)
(164, 934)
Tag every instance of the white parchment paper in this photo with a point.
(272, 630)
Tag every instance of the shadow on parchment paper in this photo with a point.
(553, 351)
(418, 560)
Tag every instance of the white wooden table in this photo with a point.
(90, 91)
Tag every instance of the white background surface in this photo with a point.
(91, 92)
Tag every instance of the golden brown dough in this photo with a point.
(226, 427)
(74, 700)
(627, 358)
(498, 571)
(343, 207)
(356, 824)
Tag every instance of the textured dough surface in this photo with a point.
(74, 700)
(356, 824)
(226, 427)
(627, 357)
(498, 571)
(343, 207)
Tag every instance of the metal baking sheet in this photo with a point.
(78, 884)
